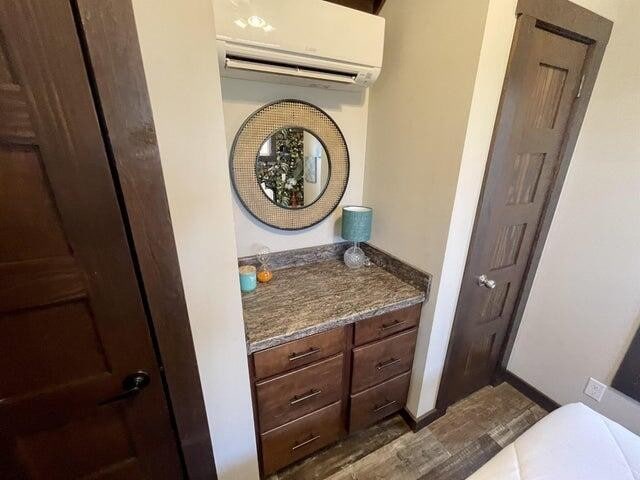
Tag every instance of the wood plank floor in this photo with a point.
(451, 448)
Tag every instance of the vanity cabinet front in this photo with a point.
(379, 361)
(308, 393)
(378, 402)
(387, 324)
(295, 440)
(298, 353)
(293, 394)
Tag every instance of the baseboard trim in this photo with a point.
(422, 421)
(528, 390)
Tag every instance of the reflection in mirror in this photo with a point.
(292, 168)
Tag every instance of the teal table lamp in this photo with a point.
(356, 227)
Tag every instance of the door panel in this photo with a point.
(543, 80)
(71, 316)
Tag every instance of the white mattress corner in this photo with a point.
(571, 443)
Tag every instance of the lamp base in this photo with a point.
(354, 257)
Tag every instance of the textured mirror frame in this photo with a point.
(242, 163)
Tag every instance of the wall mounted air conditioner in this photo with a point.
(301, 42)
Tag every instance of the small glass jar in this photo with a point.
(264, 271)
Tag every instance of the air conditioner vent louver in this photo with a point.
(278, 68)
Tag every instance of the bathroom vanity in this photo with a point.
(330, 349)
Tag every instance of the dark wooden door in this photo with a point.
(72, 322)
(543, 80)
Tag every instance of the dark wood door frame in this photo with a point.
(108, 33)
(577, 23)
(627, 379)
(368, 6)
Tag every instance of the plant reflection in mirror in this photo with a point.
(280, 167)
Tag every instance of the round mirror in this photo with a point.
(289, 164)
(293, 167)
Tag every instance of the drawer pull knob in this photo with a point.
(305, 443)
(297, 356)
(305, 396)
(388, 363)
(385, 405)
(395, 323)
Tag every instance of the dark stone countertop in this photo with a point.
(303, 300)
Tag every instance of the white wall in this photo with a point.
(494, 56)
(418, 114)
(178, 47)
(348, 109)
(430, 123)
(584, 305)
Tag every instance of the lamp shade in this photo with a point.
(356, 223)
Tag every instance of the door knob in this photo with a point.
(484, 281)
(131, 386)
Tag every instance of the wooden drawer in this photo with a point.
(377, 402)
(376, 362)
(387, 324)
(299, 438)
(298, 353)
(294, 394)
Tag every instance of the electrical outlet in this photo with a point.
(595, 389)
